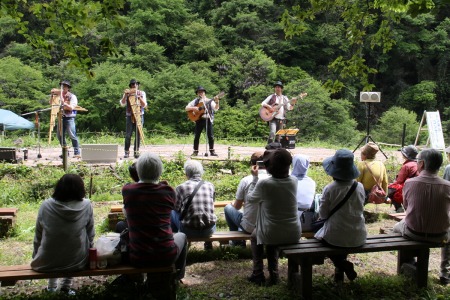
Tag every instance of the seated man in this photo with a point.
(147, 207)
(426, 199)
(244, 221)
(194, 208)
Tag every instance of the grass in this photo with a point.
(219, 274)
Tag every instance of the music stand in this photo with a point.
(287, 137)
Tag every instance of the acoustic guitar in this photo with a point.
(267, 116)
(194, 116)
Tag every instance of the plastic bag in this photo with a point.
(106, 251)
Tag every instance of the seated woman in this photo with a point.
(371, 170)
(408, 170)
(346, 227)
(306, 187)
(64, 232)
(277, 221)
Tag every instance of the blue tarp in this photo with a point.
(12, 121)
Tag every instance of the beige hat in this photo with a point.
(370, 150)
(447, 150)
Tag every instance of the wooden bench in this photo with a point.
(116, 213)
(223, 237)
(397, 216)
(309, 252)
(165, 276)
(7, 219)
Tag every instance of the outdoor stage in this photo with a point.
(50, 156)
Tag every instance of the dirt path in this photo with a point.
(50, 156)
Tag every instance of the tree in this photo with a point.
(43, 23)
(390, 126)
(367, 25)
(21, 87)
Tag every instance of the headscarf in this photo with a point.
(300, 165)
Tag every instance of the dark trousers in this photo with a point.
(258, 256)
(199, 126)
(130, 128)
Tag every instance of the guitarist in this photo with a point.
(206, 107)
(130, 123)
(280, 102)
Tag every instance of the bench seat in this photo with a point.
(10, 274)
(309, 252)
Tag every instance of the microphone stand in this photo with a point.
(38, 125)
(206, 128)
(62, 131)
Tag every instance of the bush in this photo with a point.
(390, 127)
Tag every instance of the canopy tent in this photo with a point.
(11, 121)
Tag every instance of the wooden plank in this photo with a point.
(8, 211)
(397, 216)
(117, 208)
(23, 272)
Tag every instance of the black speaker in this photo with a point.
(8, 154)
(287, 141)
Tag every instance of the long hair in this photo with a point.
(69, 187)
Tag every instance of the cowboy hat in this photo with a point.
(65, 82)
(278, 83)
(200, 88)
(134, 81)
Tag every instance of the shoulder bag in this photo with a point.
(316, 225)
(188, 203)
(376, 195)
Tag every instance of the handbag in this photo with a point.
(188, 203)
(316, 225)
(310, 215)
(376, 195)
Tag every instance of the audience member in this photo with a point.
(122, 225)
(346, 227)
(371, 170)
(64, 232)
(408, 170)
(277, 220)
(147, 205)
(306, 188)
(195, 217)
(444, 276)
(426, 199)
(246, 220)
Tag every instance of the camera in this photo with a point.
(260, 164)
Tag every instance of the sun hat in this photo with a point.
(370, 150)
(410, 152)
(341, 165)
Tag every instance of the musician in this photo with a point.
(68, 105)
(280, 102)
(206, 120)
(130, 123)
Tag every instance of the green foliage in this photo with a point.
(419, 97)
(390, 126)
(20, 86)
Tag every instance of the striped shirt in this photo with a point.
(427, 202)
(200, 213)
(148, 207)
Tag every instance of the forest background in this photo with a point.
(330, 49)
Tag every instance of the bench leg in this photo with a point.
(294, 277)
(422, 267)
(423, 256)
(306, 269)
(162, 286)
